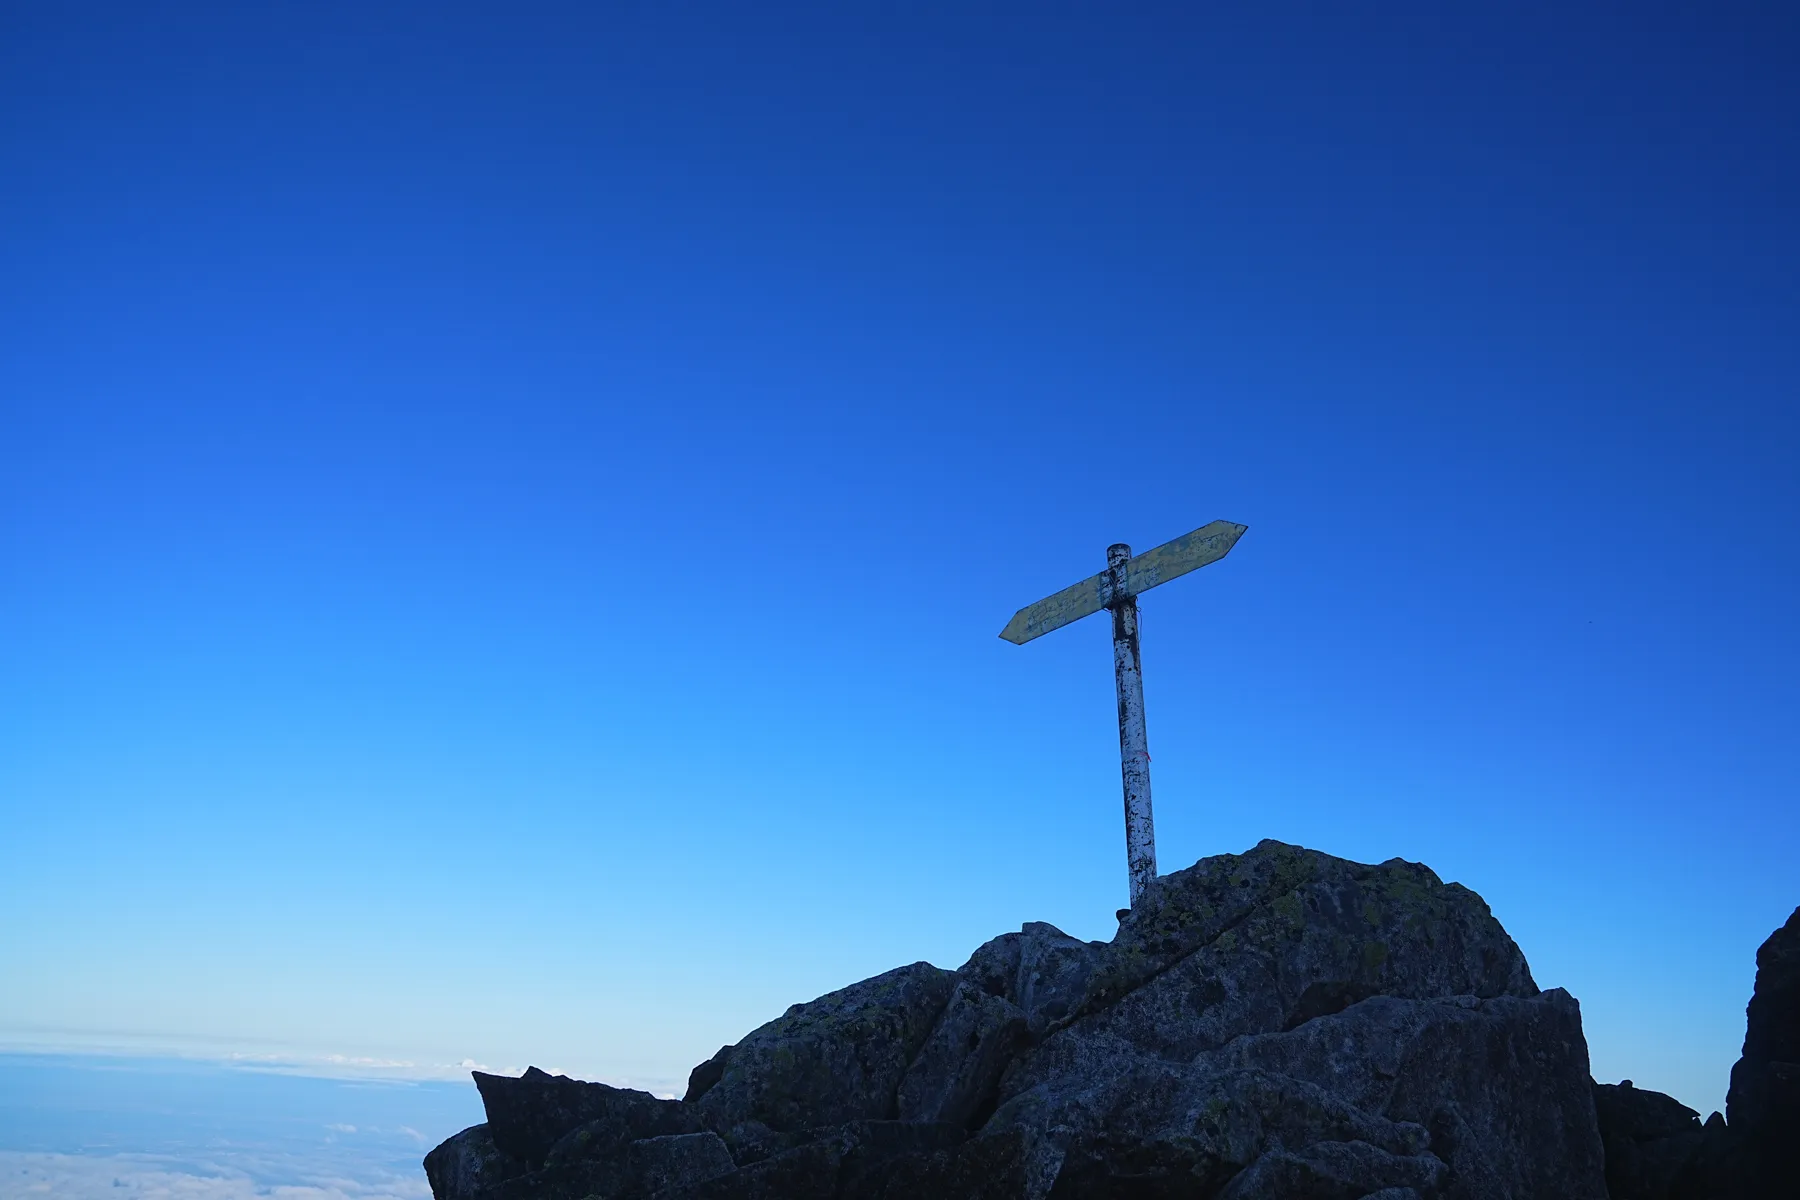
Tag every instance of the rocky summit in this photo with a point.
(1279, 1023)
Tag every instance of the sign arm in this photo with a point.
(1053, 612)
(1117, 589)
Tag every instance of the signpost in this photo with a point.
(1117, 589)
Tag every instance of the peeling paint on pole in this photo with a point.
(1117, 589)
(1134, 740)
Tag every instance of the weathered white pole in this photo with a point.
(1134, 749)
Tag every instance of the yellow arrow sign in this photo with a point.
(1189, 552)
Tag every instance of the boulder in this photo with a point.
(1650, 1139)
(836, 1059)
(642, 1167)
(1040, 970)
(1279, 1023)
(703, 1077)
(468, 1164)
(1282, 959)
(676, 1160)
(1268, 940)
(529, 1115)
(1499, 1085)
(857, 1160)
(1158, 1128)
(957, 1070)
(1336, 1171)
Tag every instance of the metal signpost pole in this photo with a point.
(1117, 589)
(1134, 747)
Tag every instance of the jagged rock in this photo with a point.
(874, 1148)
(838, 1058)
(1162, 1128)
(1626, 1110)
(1722, 1171)
(978, 1169)
(1658, 1149)
(1763, 1106)
(638, 1168)
(1262, 947)
(702, 1077)
(675, 1160)
(1274, 949)
(1487, 1078)
(807, 1172)
(1274, 1024)
(652, 1164)
(529, 1115)
(632, 1125)
(1040, 970)
(1651, 1140)
(858, 1160)
(1336, 1171)
(1268, 940)
(469, 1163)
(958, 1068)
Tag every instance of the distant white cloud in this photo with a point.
(282, 1061)
(348, 1066)
(29, 1176)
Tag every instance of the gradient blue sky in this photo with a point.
(507, 509)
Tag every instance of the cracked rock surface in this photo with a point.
(1280, 1023)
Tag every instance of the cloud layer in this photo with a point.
(30, 1176)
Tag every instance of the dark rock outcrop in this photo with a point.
(530, 1115)
(469, 1164)
(839, 1058)
(1653, 1143)
(639, 1167)
(1482, 1077)
(1658, 1149)
(1279, 1023)
(954, 1076)
(1763, 1106)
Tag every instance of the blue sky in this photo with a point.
(505, 513)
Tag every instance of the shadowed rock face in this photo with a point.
(469, 1164)
(1658, 1149)
(1279, 1023)
(528, 1116)
(839, 1058)
(1763, 1107)
(1651, 1141)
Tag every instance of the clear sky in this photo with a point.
(507, 509)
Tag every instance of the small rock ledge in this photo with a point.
(1276, 1024)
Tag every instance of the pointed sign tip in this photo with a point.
(1231, 531)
